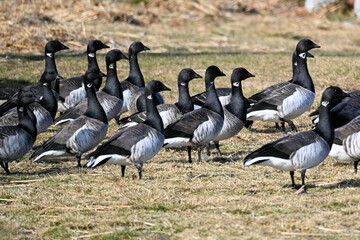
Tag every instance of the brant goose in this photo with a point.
(235, 110)
(16, 141)
(44, 110)
(292, 99)
(82, 134)
(72, 90)
(200, 126)
(110, 97)
(134, 145)
(50, 49)
(170, 112)
(300, 151)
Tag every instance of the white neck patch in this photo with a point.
(183, 84)
(50, 55)
(112, 65)
(44, 84)
(236, 84)
(21, 109)
(91, 55)
(325, 103)
(295, 63)
(41, 98)
(302, 55)
(89, 85)
(211, 83)
(149, 97)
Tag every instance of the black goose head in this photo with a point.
(155, 86)
(186, 75)
(114, 56)
(91, 75)
(95, 45)
(211, 73)
(238, 75)
(304, 46)
(26, 97)
(333, 95)
(137, 47)
(54, 46)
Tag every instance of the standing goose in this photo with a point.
(110, 97)
(346, 145)
(72, 90)
(44, 110)
(291, 100)
(16, 141)
(82, 134)
(170, 112)
(50, 49)
(300, 151)
(235, 110)
(200, 126)
(134, 145)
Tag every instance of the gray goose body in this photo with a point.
(200, 126)
(82, 134)
(136, 102)
(291, 99)
(71, 90)
(16, 141)
(134, 145)
(300, 151)
(110, 97)
(169, 113)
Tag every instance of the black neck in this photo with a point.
(112, 85)
(93, 64)
(212, 101)
(50, 62)
(185, 104)
(26, 122)
(325, 127)
(302, 76)
(135, 75)
(48, 101)
(94, 109)
(153, 118)
(237, 105)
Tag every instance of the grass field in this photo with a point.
(214, 199)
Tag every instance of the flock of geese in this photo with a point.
(193, 121)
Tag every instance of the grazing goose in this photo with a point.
(169, 112)
(50, 49)
(135, 79)
(110, 97)
(235, 110)
(134, 145)
(346, 145)
(44, 110)
(72, 90)
(200, 126)
(300, 151)
(82, 134)
(291, 100)
(16, 141)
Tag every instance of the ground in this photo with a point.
(214, 199)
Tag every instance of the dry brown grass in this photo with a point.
(214, 199)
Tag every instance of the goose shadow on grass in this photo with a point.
(344, 184)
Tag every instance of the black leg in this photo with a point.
(199, 153)
(292, 125)
(283, 127)
(5, 166)
(208, 150)
(303, 179)
(248, 124)
(123, 170)
(292, 179)
(78, 157)
(140, 172)
(277, 125)
(117, 119)
(217, 145)
(189, 154)
(355, 166)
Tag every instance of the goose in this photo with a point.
(135, 79)
(72, 90)
(299, 151)
(44, 110)
(110, 97)
(198, 127)
(346, 145)
(291, 100)
(16, 141)
(82, 134)
(134, 145)
(235, 110)
(50, 49)
(169, 112)
(137, 101)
